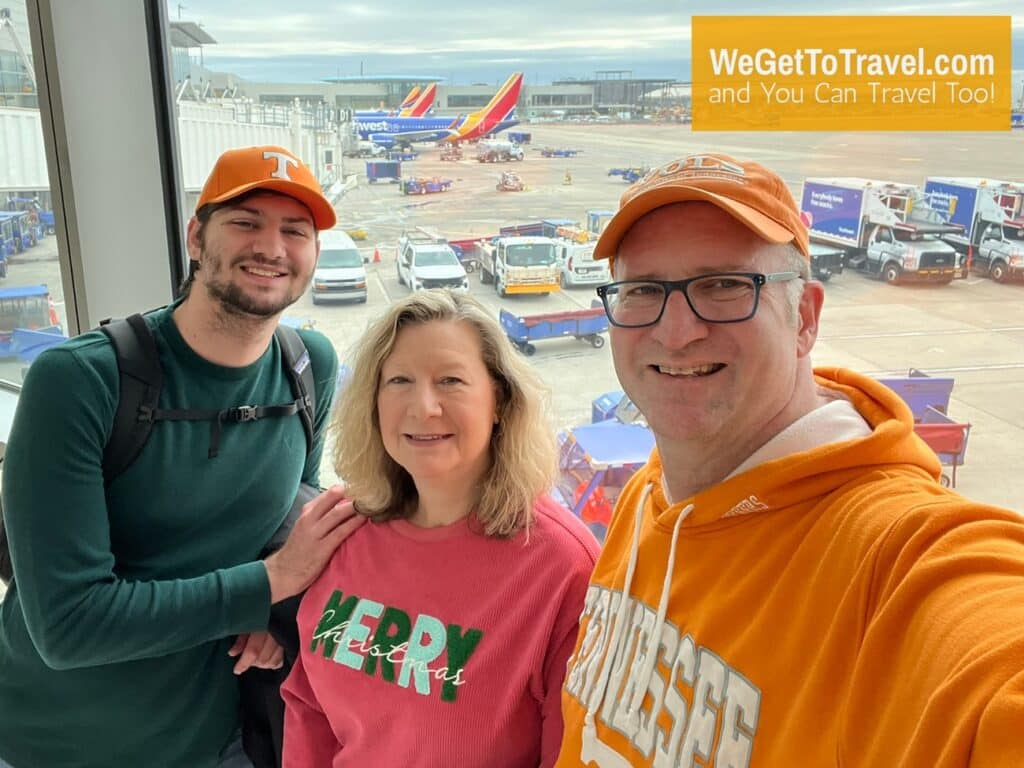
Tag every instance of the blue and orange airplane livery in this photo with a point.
(421, 105)
(416, 104)
(408, 101)
(499, 114)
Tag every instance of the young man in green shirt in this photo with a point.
(134, 605)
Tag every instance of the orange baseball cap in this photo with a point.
(273, 168)
(755, 196)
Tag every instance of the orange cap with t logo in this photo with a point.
(272, 168)
(750, 193)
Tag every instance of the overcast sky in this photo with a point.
(464, 41)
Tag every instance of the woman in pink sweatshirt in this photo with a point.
(439, 633)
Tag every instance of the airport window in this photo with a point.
(33, 314)
(652, 104)
(246, 94)
(98, 179)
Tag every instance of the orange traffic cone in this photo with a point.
(376, 255)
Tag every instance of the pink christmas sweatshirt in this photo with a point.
(438, 647)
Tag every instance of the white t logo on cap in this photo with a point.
(283, 161)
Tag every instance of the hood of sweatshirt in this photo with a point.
(808, 474)
(781, 482)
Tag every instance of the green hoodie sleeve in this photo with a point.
(78, 611)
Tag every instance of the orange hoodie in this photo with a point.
(834, 607)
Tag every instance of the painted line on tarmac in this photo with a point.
(951, 369)
(383, 288)
(905, 334)
(578, 302)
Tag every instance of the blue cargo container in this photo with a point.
(836, 212)
(386, 170)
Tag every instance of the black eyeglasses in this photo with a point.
(725, 297)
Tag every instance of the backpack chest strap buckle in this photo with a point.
(242, 413)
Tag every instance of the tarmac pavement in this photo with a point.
(972, 329)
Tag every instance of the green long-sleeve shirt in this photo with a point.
(114, 634)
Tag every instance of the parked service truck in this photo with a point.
(991, 214)
(576, 258)
(498, 151)
(519, 264)
(574, 249)
(578, 265)
(425, 260)
(886, 229)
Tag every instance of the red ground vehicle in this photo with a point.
(451, 152)
(510, 182)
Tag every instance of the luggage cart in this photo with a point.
(948, 438)
(583, 324)
(928, 399)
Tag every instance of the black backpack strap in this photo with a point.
(300, 373)
(141, 379)
(6, 567)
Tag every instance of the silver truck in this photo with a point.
(991, 215)
(887, 229)
(426, 261)
(498, 151)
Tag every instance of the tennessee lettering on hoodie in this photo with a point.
(827, 606)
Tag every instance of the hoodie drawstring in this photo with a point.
(617, 634)
(651, 658)
(619, 629)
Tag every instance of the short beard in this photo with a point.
(234, 301)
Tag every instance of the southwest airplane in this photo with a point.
(416, 104)
(499, 114)
(409, 100)
(421, 106)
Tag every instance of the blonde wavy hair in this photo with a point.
(523, 450)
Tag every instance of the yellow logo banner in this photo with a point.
(851, 73)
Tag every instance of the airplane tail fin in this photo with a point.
(408, 101)
(499, 109)
(423, 104)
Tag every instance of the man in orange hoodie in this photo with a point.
(785, 582)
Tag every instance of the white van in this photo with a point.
(578, 265)
(340, 273)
